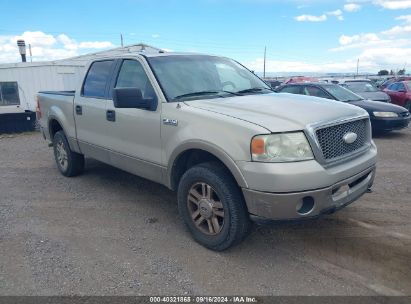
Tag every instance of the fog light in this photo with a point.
(306, 205)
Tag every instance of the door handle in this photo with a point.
(79, 110)
(111, 115)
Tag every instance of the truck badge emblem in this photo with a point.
(350, 137)
(170, 122)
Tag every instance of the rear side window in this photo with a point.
(400, 87)
(393, 87)
(291, 89)
(97, 78)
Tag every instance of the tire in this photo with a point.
(68, 162)
(208, 194)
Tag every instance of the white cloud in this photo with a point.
(45, 46)
(371, 60)
(406, 18)
(352, 7)
(337, 13)
(398, 30)
(155, 35)
(301, 66)
(37, 38)
(393, 4)
(311, 18)
(384, 50)
(361, 38)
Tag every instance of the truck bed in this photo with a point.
(57, 104)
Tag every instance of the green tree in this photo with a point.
(401, 72)
(383, 73)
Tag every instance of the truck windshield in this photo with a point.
(188, 77)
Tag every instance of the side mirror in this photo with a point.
(131, 98)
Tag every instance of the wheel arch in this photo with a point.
(54, 125)
(192, 153)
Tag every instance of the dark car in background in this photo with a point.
(299, 79)
(384, 116)
(273, 83)
(366, 89)
(400, 93)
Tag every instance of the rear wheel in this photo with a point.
(212, 206)
(68, 162)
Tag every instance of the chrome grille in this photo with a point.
(331, 139)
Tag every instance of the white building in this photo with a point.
(20, 82)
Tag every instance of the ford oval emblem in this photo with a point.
(350, 137)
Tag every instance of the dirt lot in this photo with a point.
(110, 233)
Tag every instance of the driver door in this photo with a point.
(135, 139)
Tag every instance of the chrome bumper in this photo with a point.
(297, 205)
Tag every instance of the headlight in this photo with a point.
(284, 147)
(385, 114)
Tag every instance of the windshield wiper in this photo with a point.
(252, 90)
(201, 93)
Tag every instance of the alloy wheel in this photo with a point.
(205, 208)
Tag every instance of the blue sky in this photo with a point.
(300, 35)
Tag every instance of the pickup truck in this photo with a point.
(205, 126)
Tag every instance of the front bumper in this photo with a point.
(389, 124)
(264, 206)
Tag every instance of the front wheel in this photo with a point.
(212, 206)
(68, 162)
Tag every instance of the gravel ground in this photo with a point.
(111, 233)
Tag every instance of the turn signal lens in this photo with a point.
(257, 146)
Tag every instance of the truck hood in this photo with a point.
(279, 112)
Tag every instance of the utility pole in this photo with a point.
(121, 37)
(358, 63)
(265, 51)
(31, 55)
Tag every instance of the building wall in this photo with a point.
(32, 79)
(59, 75)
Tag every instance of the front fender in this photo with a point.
(210, 148)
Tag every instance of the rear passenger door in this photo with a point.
(90, 105)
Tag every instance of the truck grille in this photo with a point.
(331, 139)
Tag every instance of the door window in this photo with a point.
(97, 78)
(132, 75)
